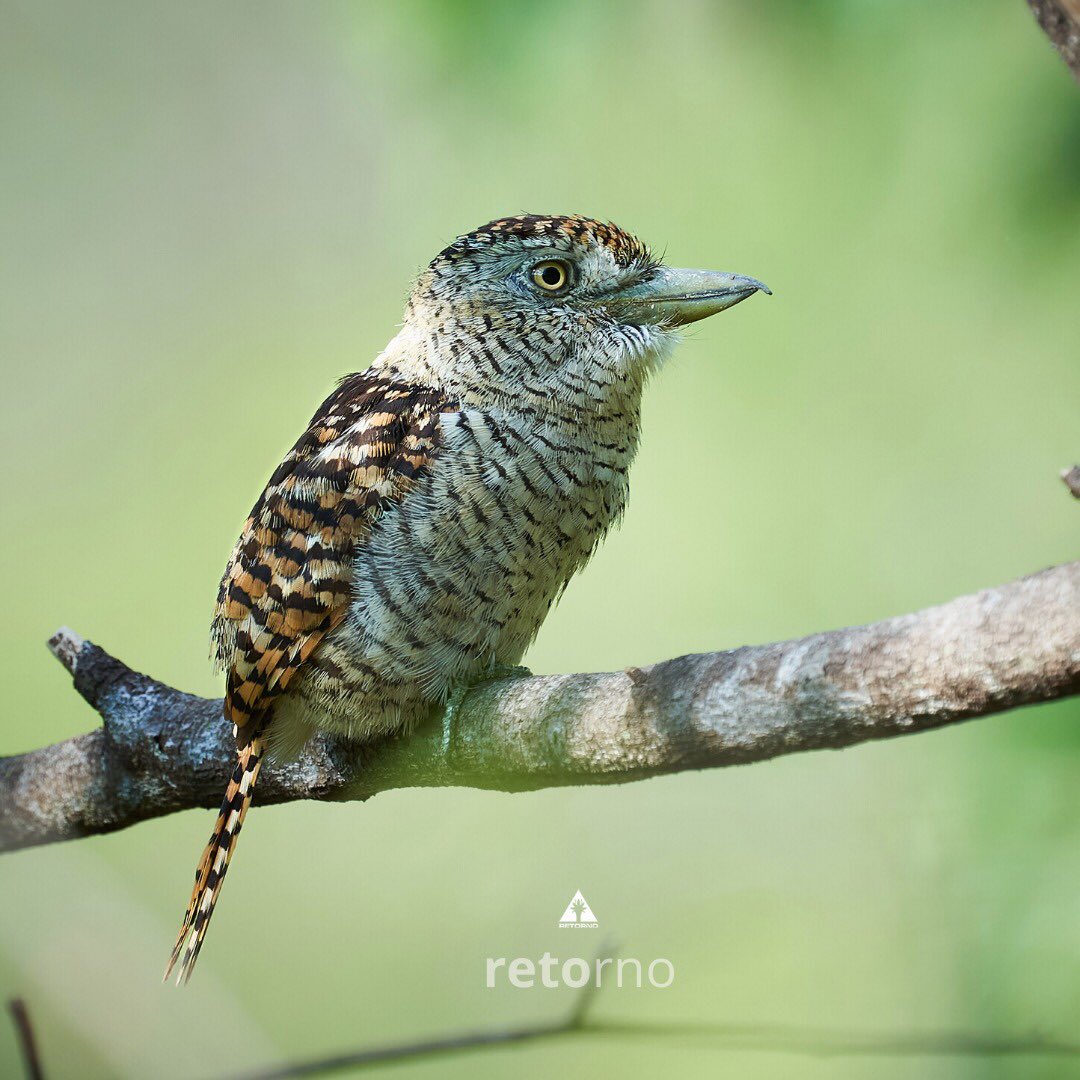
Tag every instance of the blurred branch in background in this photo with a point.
(1060, 19)
(24, 1032)
(768, 1038)
(574, 1021)
(161, 750)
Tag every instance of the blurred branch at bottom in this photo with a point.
(742, 1038)
(573, 1021)
(161, 750)
(448, 1044)
(24, 1032)
(768, 1038)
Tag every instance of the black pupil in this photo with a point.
(551, 275)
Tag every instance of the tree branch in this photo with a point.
(743, 1038)
(572, 1022)
(1060, 20)
(24, 1032)
(161, 750)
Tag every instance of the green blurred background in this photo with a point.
(209, 212)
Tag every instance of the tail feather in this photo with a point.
(215, 859)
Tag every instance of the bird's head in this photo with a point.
(564, 310)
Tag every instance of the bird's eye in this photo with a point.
(552, 275)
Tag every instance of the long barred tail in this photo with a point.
(215, 859)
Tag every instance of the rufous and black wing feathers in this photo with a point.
(288, 581)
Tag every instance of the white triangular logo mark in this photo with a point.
(578, 913)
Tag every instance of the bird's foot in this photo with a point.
(459, 691)
(504, 671)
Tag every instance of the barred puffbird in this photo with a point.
(416, 535)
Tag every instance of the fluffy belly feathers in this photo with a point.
(459, 576)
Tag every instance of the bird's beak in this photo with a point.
(675, 297)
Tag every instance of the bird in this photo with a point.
(414, 538)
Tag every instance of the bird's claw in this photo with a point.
(504, 671)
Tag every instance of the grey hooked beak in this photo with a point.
(676, 297)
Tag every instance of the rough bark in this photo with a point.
(161, 750)
(1060, 19)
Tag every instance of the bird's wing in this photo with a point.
(287, 582)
